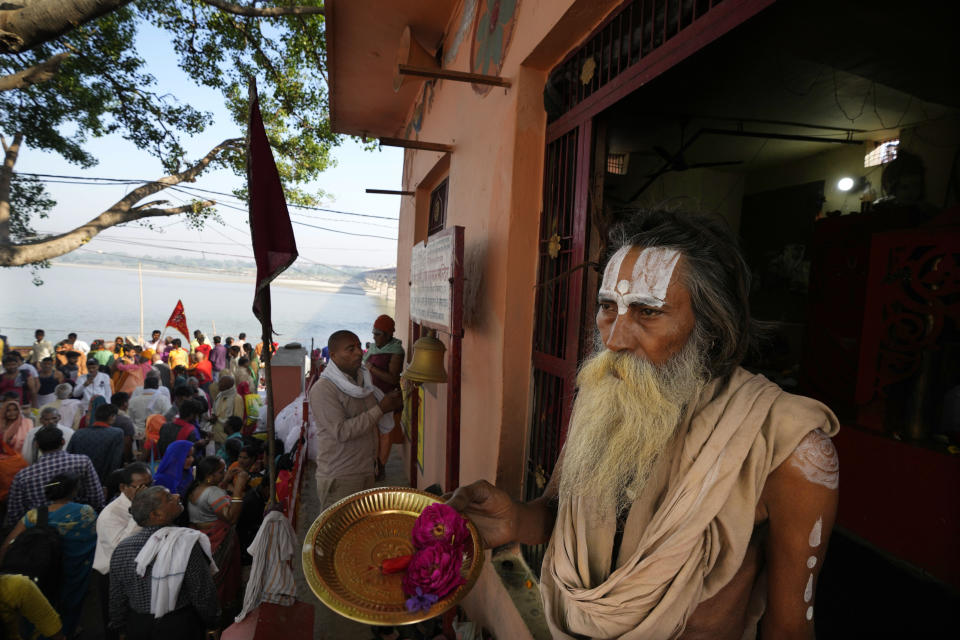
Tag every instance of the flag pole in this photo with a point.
(274, 249)
(140, 278)
(268, 380)
(266, 321)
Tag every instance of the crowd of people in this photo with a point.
(104, 447)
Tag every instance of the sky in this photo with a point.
(355, 171)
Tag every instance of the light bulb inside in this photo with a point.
(845, 184)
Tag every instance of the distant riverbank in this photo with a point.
(355, 288)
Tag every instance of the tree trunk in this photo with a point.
(124, 210)
(39, 21)
(6, 176)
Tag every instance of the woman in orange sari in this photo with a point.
(14, 425)
(10, 463)
(215, 512)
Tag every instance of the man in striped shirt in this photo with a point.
(26, 492)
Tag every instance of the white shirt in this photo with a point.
(70, 410)
(113, 525)
(141, 390)
(30, 369)
(99, 387)
(31, 453)
(144, 404)
(40, 350)
(81, 346)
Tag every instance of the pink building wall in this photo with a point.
(495, 184)
(495, 193)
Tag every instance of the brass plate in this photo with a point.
(345, 545)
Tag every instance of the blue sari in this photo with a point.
(77, 526)
(170, 473)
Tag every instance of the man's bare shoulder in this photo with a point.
(799, 427)
(816, 460)
(811, 469)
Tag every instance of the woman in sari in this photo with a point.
(13, 424)
(215, 512)
(11, 462)
(175, 472)
(120, 351)
(77, 526)
(95, 403)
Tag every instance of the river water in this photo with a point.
(98, 302)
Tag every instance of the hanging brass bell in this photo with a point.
(427, 363)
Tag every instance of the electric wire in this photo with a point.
(238, 205)
(161, 239)
(313, 226)
(68, 179)
(836, 98)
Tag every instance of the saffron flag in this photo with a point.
(274, 247)
(178, 320)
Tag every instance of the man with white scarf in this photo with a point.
(692, 498)
(349, 412)
(161, 577)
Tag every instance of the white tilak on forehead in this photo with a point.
(650, 278)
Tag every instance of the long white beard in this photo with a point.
(626, 412)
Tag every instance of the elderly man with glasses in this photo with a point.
(115, 524)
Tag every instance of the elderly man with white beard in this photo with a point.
(692, 499)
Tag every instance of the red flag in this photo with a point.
(178, 320)
(274, 247)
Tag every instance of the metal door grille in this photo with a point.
(639, 28)
(556, 247)
(558, 310)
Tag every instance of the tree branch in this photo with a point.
(124, 210)
(25, 24)
(262, 12)
(169, 211)
(147, 205)
(33, 75)
(11, 152)
(39, 21)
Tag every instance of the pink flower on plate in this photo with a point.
(434, 570)
(439, 523)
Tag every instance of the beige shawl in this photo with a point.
(686, 537)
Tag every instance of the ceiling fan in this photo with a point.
(677, 161)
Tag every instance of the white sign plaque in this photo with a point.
(431, 281)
